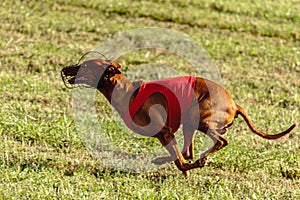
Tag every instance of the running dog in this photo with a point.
(158, 108)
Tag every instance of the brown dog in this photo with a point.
(212, 107)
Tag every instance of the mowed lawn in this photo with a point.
(254, 44)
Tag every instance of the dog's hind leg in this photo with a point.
(219, 143)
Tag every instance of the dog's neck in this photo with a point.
(119, 91)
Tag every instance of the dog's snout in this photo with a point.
(70, 67)
(63, 71)
(70, 70)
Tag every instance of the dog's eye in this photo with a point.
(110, 68)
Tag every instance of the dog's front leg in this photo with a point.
(188, 146)
(167, 139)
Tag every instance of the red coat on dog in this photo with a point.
(179, 93)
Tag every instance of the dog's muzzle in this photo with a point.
(71, 78)
(68, 75)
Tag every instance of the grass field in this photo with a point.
(256, 47)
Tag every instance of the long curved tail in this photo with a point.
(253, 128)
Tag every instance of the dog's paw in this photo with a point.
(208, 161)
(186, 173)
(162, 160)
(203, 161)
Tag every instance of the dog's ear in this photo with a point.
(115, 64)
(112, 70)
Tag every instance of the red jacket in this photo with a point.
(179, 93)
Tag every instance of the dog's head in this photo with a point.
(91, 73)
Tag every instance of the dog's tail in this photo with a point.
(253, 128)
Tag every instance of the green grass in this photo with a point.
(256, 47)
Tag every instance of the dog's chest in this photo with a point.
(179, 93)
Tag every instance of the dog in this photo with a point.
(208, 108)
